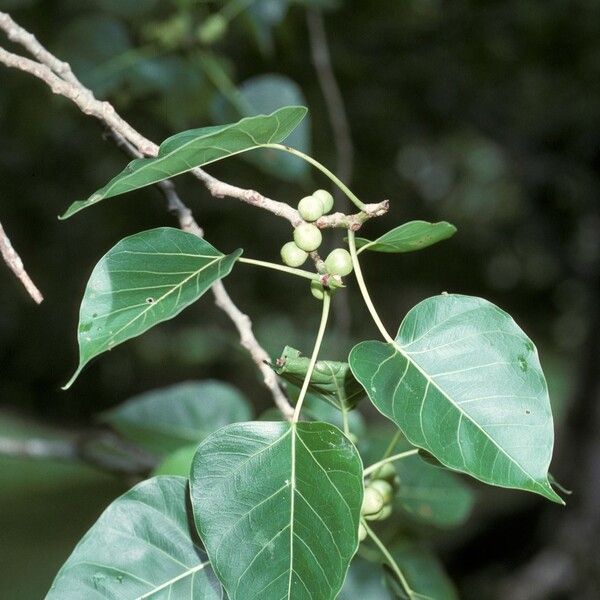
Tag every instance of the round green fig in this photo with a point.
(307, 237)
(362, 533)
(326, 198)
(383, 488)
(310, 208)
(339, 262)
(386, 472)
(293, 256)
(372, 502)
(380, 515)
(316, 289)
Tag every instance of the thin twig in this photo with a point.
(38, 448)
(14, 262)
(249, 342)
(70, 87)
(102, 449)
(242, 322)
(59, 77)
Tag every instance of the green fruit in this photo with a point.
(326, 198)
(386, 472)
(339, 262)
(372, 502)
(362, 533)
(310, 208)
(293, 256)
(383, 488)
(213, 29)
(316, 289)
(381, 515)
(308, 237)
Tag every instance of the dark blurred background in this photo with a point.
(482, 113)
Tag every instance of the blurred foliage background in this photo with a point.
(482, 113)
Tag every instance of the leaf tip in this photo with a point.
(548, 492)
(73, 378)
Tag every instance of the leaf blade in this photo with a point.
(178, 266)
(283, 537)
(426, 366)
(141, 545)
(195, 148)
(167, 419)
(408, 237)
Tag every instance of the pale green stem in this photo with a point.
(276, 267)
(392, 445)
(377, 465)
(313, 358)
(345, 420)
(363, 288)
(315, 163)
(389, 558)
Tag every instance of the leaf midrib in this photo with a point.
(154, 161)
(399, 350)
(156, 303)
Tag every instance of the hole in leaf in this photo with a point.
(150, 300)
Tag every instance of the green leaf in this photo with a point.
(409, 237)
(464, 382)
(167, 419)
(145, 279)
(332, 381)
(431, 495)
(142, 546)
(423, 571)
(195, 148)
(178, 462)
(264, 94)
(277, 506)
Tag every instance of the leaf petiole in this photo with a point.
(285, 269)
(378, 464)
(313, 358)
(315, 163)
(363, 288)
(390, 560)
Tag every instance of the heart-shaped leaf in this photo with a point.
(195, 148)
(464, 382)
(277, 506)
(142, 546)
(332, 381)
(162, 421)
(145, 279)
(409, 237)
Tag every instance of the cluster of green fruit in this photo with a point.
(308, 237)
(378, 498)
